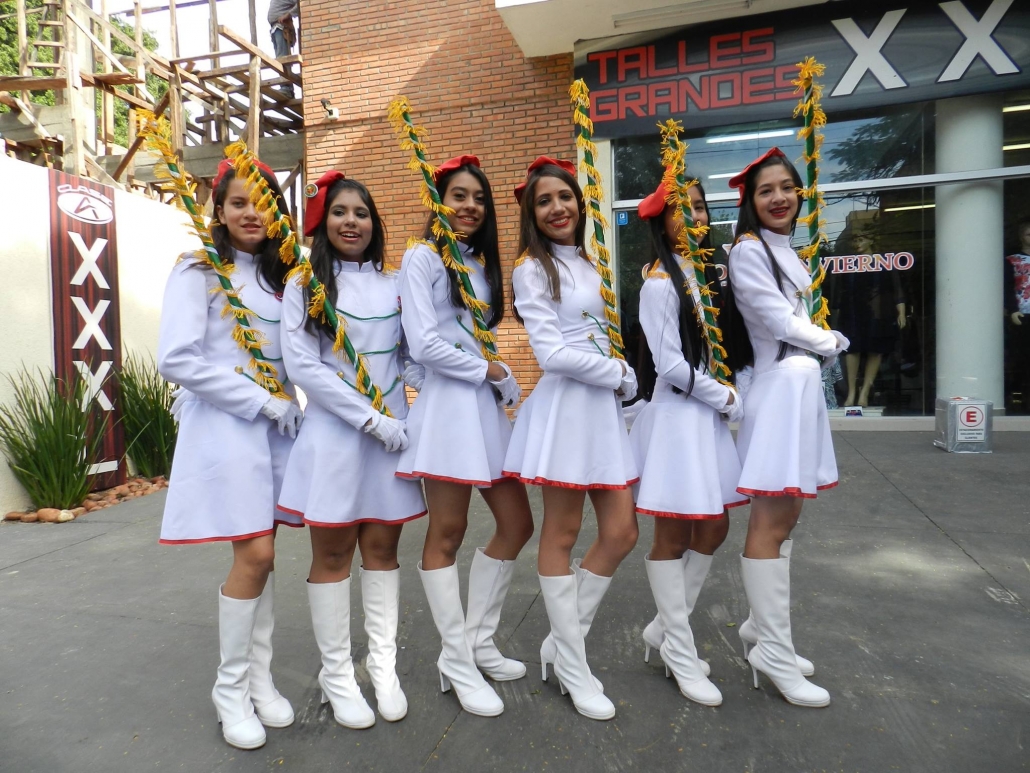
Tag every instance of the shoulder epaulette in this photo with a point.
(750, 237)
(655, 272)
(523, 258)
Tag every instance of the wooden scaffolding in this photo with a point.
(232, 91)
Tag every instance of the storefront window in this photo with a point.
(891, 144)
(1017, 257)
(880, 287)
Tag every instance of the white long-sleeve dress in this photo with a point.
(682, 445)
(456, 430)
(338, 475)
(570, 431)
(784, 441)
(229, 458)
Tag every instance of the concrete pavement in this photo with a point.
(911, 588)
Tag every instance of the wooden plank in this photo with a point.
(138, 142)
(31, 83)
(106, 99)
(214, 53)
(175, 111)
(105, 50)
(173, 26)
(254, 114)
(74, 162)
(91, 79)
(27, 113)
(252, 14)
(212, 31)
(268, 61)
(23, 42)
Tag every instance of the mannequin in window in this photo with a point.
(870, 311)
(1017, 313)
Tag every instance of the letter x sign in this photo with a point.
(978, 42)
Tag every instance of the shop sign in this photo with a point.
(87, 332)
(860, 264)
(740, 70)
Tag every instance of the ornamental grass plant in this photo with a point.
(52, 435)
(146, 402)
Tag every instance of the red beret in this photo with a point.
(737, 181)
(568, 166)
(454, 163)
(315, 193)
(653, 205)
(226, 164)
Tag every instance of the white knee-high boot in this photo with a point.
(749, 634)
(570, 663)
(767, 584)
(330, 618)
(654, 632)
(590, 589)
(272, 708)
(675, 603)
(231, 694)
(380, 596)
(489, 580)
(456, 665)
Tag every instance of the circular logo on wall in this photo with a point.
(85, 205)
(311, 190)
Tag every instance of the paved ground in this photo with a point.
(911, 587)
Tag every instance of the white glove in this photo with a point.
(734, 412)
(508, 388)
(180, 398)
(842, 342)
(285, 413)
(414, 375)
(743, 380)
(628, 388)
(390, 431)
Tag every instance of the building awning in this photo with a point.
(547, 27)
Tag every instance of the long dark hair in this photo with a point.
(324, 256)
(738, 344)
(690, 335)
(530, 238)
(270, 268)
(483, 242)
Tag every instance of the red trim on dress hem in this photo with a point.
(297, 513)
(291, 524)
(323, 525)
(418, 475)
(236, 538)
(579, 486)
(787, 492)
(680, 516)
(827, 485)
(741, 503)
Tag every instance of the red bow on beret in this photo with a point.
(226, 165)
(737, 181)
(315, 193)
(454, 163)
(653, 205)
(543, 161)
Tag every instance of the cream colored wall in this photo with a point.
(150, 236)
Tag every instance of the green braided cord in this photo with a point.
(452, 245)
(368, 387)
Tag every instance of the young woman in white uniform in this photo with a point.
(458, 433)
(234, 440)
(570, 434)
(784, 442)
(340, 478)
(682, 445)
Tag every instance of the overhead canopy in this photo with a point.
(546, 27)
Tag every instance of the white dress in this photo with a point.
(229, 458)
(784, 441)
(456, 430)
(338, 475)
(682, 445)
(570, 431)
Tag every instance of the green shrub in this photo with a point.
(52, 435)
(146, 402)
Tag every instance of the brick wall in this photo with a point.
(469, 84)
